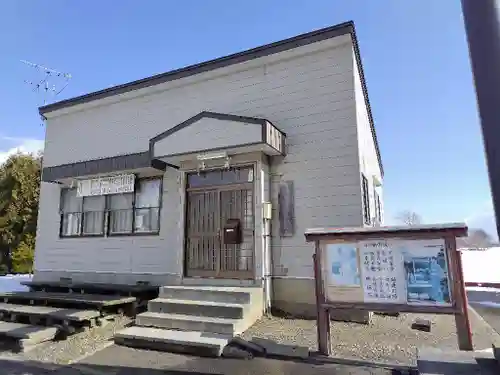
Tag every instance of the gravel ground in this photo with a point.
(386, 339)
(76, 346)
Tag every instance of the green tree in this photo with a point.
(19, 193)
(23, 255)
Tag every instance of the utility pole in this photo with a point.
(482, 26)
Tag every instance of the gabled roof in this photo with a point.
(254, 53)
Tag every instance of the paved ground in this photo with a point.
(118, 360)
(479, 298)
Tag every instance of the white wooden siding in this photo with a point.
(307, 92)
(206, 134)
(367, 154)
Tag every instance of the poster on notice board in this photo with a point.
(413, 272)
(343, 273)
(426, 272)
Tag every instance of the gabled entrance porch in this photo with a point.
(224, 183)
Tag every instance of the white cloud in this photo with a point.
(23, 145)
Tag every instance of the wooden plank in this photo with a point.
(365, 233)
(27, 331)
(464, 332)
(125, 288)
(392, 308)
(88, 299)
(54, 312)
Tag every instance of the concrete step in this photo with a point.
(189, 323)
(26, 335)
(188, 342)
(209, 293)
(196, 308)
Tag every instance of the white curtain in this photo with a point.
(71, 207)
(120, 215)
(147, 210)
(93, 214)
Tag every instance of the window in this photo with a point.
(366, 200)
(93, 215)
(147, 206)
(121, 213)
(128, 213)
(71, 213)
(137, 212)
(81, 216)
(378, 208)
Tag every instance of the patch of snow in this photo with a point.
(495, 305)
(481, 266)
(482, 289)
(12, 283)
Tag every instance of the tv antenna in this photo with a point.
(45, 84)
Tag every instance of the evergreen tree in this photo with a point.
(19, 193)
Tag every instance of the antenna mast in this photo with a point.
(44, 83)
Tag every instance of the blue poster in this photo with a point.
(426, 272)
(343, 266)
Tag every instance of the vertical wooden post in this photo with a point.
(464, 333)
(323, 314)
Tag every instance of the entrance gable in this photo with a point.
(211, 131)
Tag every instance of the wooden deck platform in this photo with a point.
(30, 318)
(92, 288)
(21, 337)
(74, 315)
(96, 300)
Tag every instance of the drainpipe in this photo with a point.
(266, 245)
(267, 266)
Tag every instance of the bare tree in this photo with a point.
(409, 217)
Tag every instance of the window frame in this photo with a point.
(106, 221)
(378, 208)
(133, 231)
(365, 189)
(81, 222)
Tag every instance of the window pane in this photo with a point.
(221, 177)
(70, 202)
(147, 202)
(121, 213)
(147, 219)
(148, 194)
(71, 216)
(93, 214)
(71, 224)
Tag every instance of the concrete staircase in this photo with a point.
(197, 320)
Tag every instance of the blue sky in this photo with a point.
(414, 54)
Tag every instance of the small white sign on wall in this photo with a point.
(106, 185)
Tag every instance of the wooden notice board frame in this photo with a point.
(446, 232)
